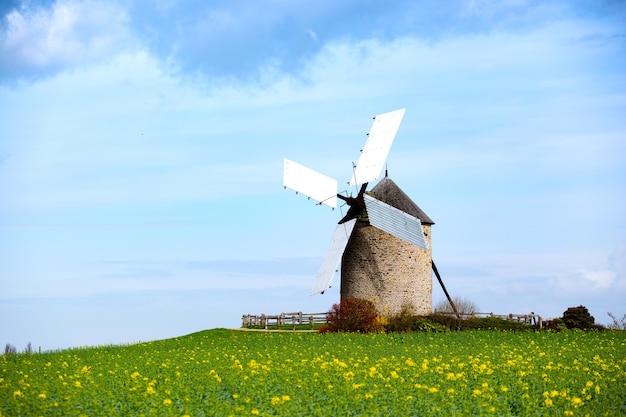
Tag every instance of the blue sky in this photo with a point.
(141, 149)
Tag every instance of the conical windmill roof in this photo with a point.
(388, 192)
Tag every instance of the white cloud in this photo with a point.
(612, 274)
(72, 32)
(546, 282)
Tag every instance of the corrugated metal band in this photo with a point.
(395, 222)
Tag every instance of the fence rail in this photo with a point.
(294, 319)
(532, 318)
(311, 319)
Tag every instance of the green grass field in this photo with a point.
(223, 372)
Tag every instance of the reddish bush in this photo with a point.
(353, 315)
(326, 328)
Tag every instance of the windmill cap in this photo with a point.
(388, 192)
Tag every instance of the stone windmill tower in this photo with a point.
(379, 266)
(383, 242)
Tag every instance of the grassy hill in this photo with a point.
(226, 372)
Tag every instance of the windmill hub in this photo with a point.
(356, 205)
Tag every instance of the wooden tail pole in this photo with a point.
(443, 287)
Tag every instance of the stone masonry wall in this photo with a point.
(389, 271)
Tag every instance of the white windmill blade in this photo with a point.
(330, 264)
(376, 149)
(310, 183)
(395, 222)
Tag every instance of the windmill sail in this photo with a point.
(310, 183)
(377, 147)
(330, 264)
(395, 222)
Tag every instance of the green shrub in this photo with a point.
(495, 323)
(423, 324)
(353, 315)
(578, 318)
(556, 325)
(405, 321)
(401, 322)
(448, 321)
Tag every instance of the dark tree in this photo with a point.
(578, 318)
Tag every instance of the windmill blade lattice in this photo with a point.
(310, 183)
(331, 261)
(377, 146)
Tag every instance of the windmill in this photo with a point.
(383, 241)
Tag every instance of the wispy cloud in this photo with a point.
(40, 40)
(242, 39)
(544, 282)
(611, 274)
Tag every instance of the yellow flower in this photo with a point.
(167, 402)
(150, 390)
(432, 390)
(17, 393)
(409, 397)
(255, 412)
(568, 413)
(235, 396)
(275, 400)
(368, 396)
(548, 402)
(42, 396)
(135, 375)
(394, 374)
(477, 392)
(77, 384)
(577, 402)
(504, 388)
(589, 384)
(286, 398)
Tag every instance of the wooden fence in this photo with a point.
(532, 318)
(294, 319)
(299, 318)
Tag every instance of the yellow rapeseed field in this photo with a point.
(222, 372)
